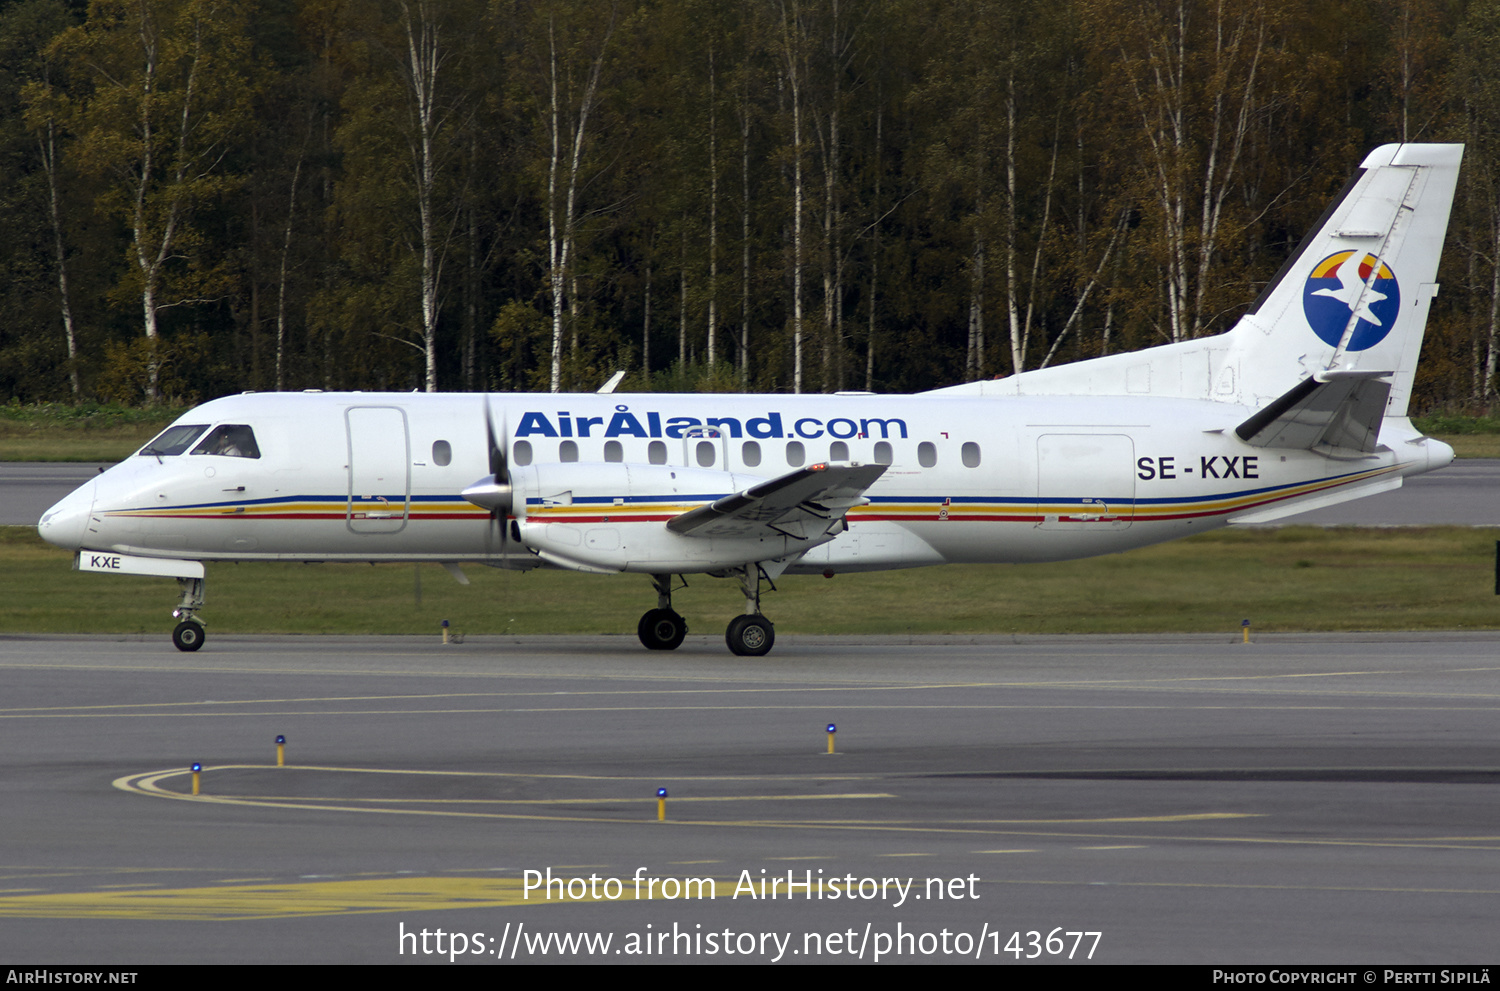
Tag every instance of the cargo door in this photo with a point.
(1085, 481)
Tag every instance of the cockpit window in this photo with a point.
(175, 440)
(230, 440)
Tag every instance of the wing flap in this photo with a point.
(818, 494)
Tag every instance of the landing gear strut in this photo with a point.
(751, 634)
(189, 633)
(662, 628)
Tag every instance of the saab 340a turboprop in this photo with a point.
(1303, 404)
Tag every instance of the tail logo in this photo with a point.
(1336, 290)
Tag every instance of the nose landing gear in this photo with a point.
(189, 635)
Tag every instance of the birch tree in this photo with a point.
(430, 49)
(793, 55)
(168, 96)
(1191, 77)
(1477, 217)
(45, 110)
(576, 43)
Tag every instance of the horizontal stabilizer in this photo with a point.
(1338, 412)
(804, 503)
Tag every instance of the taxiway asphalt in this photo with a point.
(1314, 799)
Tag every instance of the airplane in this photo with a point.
(1301, 405)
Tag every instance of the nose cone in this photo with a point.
(66, 523)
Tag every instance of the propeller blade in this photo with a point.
(498, 467)
(494, 491)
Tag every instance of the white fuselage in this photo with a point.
(377, 477)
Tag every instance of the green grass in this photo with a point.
(1293, 579)
(88, 432)
(1472, 445)
(1469, 436)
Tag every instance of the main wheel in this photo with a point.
(750, 636)
(188, 635)
(661, 629)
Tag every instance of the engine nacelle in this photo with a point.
(610, 517)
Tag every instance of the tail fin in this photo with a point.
(1355, 296)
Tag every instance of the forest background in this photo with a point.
(199, 197)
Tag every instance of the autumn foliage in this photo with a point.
(205, 196)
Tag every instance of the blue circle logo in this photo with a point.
(1336, 291)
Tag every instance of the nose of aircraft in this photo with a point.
(66, 523)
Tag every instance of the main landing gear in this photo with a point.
(662, 628)
(749, 635)
(189, 633)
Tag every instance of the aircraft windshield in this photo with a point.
(230, 440)
(175, 439)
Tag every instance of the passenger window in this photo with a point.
(232, 440)
(568, 451)
(838, 451)
(883, 453)
(706, 453)
(522, 452)
(656, 452)
(613, 451)
(442, 453)
(175, 440)
(971, 455)
(927, 454)
(794, 454)
(750, 454)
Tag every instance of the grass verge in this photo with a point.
(87, 432)
(1292, 579)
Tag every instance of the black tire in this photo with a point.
(661, 629)
(750, 636)
(188, 635)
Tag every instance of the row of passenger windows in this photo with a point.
(706, 453)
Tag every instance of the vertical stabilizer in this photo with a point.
(1355, 296)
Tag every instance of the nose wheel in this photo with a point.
(189, 635)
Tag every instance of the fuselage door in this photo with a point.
(1085, 481)
(705, 447)
(379, 469)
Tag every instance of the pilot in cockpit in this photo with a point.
(231, 441)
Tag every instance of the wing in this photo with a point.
(805, 503)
